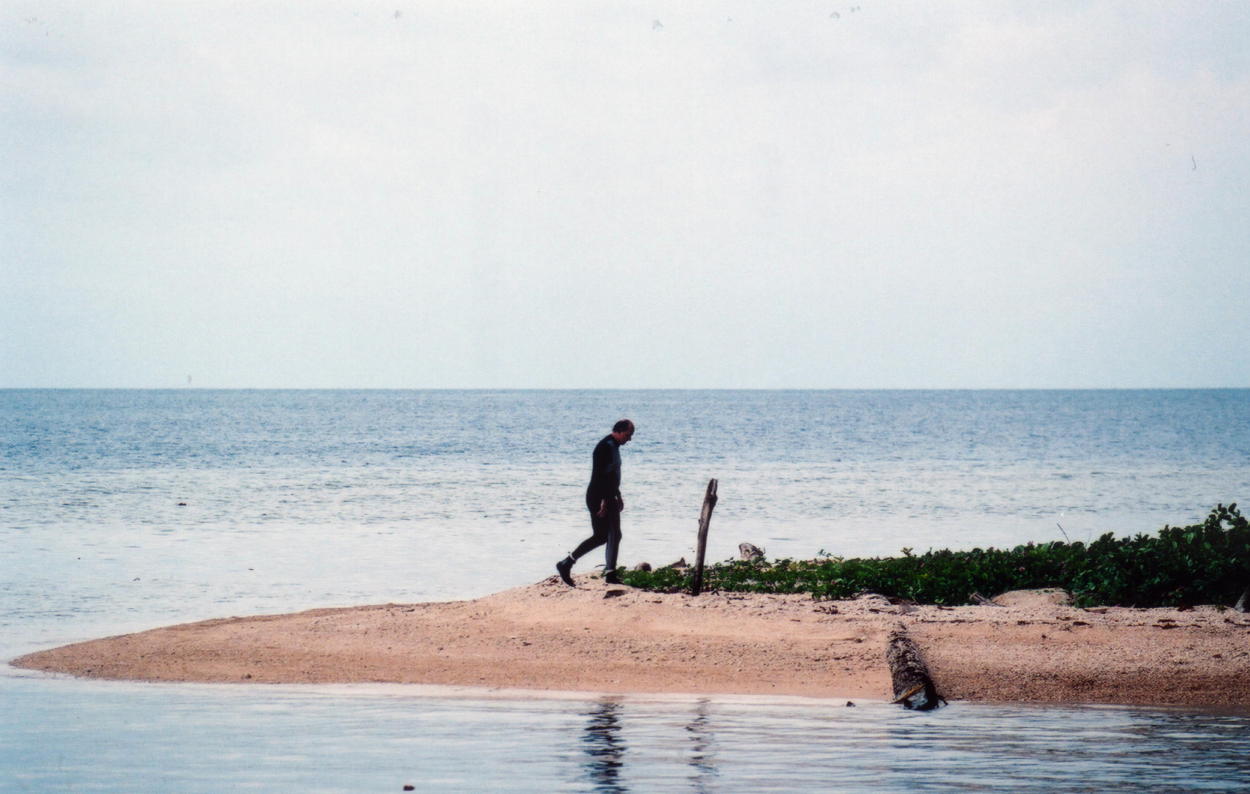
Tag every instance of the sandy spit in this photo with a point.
(612, 638)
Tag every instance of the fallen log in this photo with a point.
(913, 687)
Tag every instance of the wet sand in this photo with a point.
(612, 638)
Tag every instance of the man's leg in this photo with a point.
(613, 521)
(602, 527)
(602, 533)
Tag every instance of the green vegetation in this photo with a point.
(1207, 563)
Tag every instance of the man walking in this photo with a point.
(603, 500)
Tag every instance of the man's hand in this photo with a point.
(603, 506)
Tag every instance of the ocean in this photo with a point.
(128, 509)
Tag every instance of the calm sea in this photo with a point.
(122, 510)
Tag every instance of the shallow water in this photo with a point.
(126, 510)
(100, 736)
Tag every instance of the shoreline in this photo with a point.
(547, 637)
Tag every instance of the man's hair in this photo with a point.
(623, 426)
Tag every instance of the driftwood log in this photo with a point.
(913, 688)
(977, 598)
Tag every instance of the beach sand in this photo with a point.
(613, 638)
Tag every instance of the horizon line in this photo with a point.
(626, 388)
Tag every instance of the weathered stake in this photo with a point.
(705, 518)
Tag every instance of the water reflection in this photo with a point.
(702, 747)
(604, 747)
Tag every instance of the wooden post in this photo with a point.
(705, 518)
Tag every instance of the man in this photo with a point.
(603, 500)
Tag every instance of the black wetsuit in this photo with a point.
(604, 490)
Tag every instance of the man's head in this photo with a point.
(623, 431)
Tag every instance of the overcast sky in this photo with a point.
(449, 193)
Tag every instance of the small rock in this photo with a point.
(749, 551)
(850, 704)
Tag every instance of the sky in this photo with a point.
(581, 194)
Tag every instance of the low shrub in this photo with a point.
(1207, 563)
